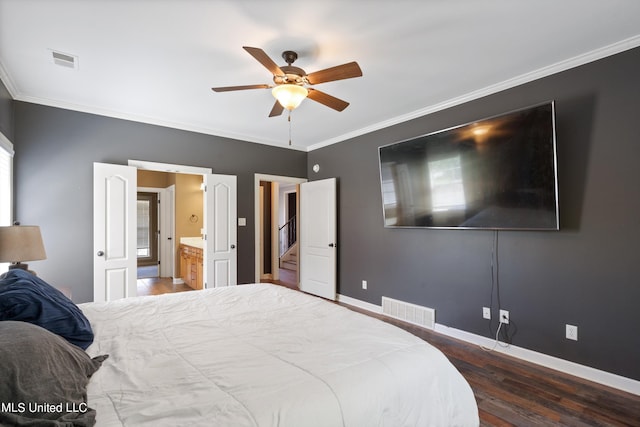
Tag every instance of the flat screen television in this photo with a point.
(497, 173)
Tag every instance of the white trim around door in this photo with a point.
(166, 167)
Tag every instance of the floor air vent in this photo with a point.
(410, 313)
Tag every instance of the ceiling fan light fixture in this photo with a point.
(289, 96)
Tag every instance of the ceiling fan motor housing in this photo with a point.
(292, 75)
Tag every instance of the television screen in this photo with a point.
(496, 173)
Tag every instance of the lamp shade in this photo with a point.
(21, 243)
(289, 96)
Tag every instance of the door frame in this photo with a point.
(168, 167)
(258, 177)
(209, 226)
(178, 169)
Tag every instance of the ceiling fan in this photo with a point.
(292, 83)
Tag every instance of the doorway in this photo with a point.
(176, 212)
(115, 211)
(276, 205)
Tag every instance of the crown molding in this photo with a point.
(550, 70)
(558, 67)
(151, 121)
(8, 82)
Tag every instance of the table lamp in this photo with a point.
(20, 243)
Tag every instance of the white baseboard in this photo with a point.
(360, 304)
(586, 372)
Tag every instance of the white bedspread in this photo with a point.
(264, 355)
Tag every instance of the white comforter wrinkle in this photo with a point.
(267, 352)
(209, 380)
(311, 374)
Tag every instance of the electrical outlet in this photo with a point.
(572, 332)
(364, 284)
(486, 313)
(504, 316)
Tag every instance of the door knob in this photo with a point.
(233, 246)
(100, 253)
(331, 245)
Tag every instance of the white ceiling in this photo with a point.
(156, 61)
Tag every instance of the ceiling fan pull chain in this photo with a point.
(289, 120)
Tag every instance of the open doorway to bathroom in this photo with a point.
(169, 207)
(116, 210)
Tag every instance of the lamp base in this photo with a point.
(21, 266)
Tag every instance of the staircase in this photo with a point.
(288, 245)
(290, 259)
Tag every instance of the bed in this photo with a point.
(248, 355)
(265, 355)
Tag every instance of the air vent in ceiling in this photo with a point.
(64, 59)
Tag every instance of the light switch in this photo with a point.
(242, 222)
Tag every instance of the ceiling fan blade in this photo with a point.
(339, 72)
(276, 110)
(328, 100)
(230, 88)
(264, 59)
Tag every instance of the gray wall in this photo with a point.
(55, 151)
(587, 274)
(6, 112)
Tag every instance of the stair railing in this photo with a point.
(287, 235)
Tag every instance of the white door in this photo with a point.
(220, 218)
(318, 245)
(114, 231)
(167, 232)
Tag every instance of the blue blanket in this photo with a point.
(25, 297)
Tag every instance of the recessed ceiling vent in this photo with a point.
(64, 59)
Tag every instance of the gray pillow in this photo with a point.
(44, 378)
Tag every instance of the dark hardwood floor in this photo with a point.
(150, 284)
(509, 391)
(513, 392)
(288, 278)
